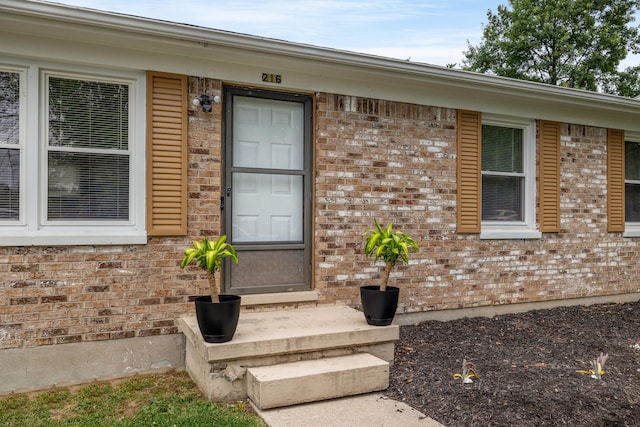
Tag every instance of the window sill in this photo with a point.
(631, 232)
(510, 234)
(69, 239)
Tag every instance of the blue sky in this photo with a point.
(433, 32)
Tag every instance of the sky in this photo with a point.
(432, 32)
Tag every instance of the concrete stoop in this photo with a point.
(288, 357)
(293, 383)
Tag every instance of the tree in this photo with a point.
(571, 43)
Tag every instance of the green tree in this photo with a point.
(571, 43)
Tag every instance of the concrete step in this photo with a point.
(313, 380)
(266, 338)
(267, 333)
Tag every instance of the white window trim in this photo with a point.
(631, 229)
(32, 229)
(526, 229)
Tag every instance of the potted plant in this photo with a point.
(217, 314)
(379, 303)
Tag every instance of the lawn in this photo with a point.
(169, 399)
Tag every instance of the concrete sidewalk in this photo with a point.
(367, 410)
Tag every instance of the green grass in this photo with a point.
(169, 399)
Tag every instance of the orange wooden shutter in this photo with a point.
(615, 180)
(549, 145)
(469, 171)
(166, 154)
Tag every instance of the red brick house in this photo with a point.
(520, 195)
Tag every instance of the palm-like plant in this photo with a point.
(390, 246)
(209, 256)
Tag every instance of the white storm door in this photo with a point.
(267, 191)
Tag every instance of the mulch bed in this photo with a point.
(527, 368)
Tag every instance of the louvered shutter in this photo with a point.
(549, 145)
(166, 154)
(615, 180)
(469, 172)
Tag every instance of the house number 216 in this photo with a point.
(271, 78)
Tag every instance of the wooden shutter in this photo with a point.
(549, 169)
(615, 180)
(166, 154)
(469, 171)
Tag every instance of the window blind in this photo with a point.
(9, 146)
(88, 158)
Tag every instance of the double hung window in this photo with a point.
(68, 151)
(632, 186)
(508, 178)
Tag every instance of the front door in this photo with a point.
(267, 194)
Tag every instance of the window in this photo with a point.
(76, 136)
(87, 150)
(632, 187)
(10, 150)
(508, 178)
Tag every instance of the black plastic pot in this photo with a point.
(379, 307)
(218, 320)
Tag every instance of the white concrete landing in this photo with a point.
(292, 331)
(313, 380)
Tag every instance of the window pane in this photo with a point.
(268, 133)
(9, 184)
(632, 161)
(9, 107)
(267, 208)
(501, 149)
(9, 136)
(88, 114)
(502, 198)
(86, 186)
(632, 202)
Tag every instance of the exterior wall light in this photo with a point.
(205, 101)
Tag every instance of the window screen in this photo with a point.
(502, 174)
(88, 157)
(9, 146)
(632, 181)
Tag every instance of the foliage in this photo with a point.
(468, 372)
(390, 246)
(209, 257)
(169, 399)
(572, 43)
(597, 367)
(624, 83)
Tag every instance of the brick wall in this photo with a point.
(373, 159)
(396, 162)
(64, 294)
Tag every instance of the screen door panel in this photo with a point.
(267, 208)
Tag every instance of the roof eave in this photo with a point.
(164, 30)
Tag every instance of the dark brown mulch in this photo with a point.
(527, 365)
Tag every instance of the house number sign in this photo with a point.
(271, 78)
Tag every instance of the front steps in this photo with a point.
(313, 380)
(288, 357)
